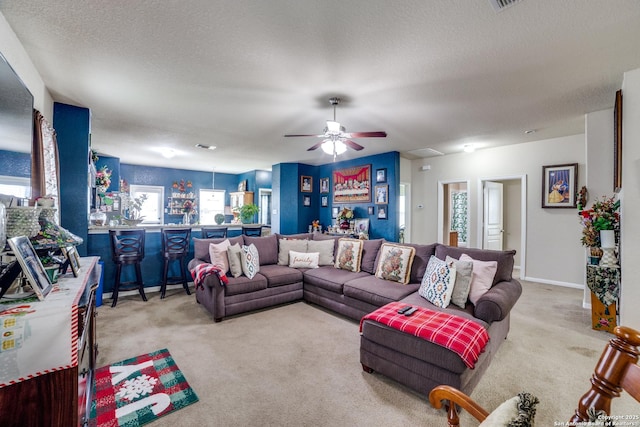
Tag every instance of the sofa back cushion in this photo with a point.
(267, 247)
(299, 236)
(370, 250)
(201, 246)
(322, 237)
(504, 259)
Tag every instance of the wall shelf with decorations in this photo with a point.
(176, 202)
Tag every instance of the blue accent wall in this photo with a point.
(73, 126)
(294, 217)
(15, 164)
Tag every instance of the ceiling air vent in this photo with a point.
(500, 5)
(426, 152)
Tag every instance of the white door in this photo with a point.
(493, 221)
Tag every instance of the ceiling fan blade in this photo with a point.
(378, 134)
(317, 136)
(353, 145)
(314, 147)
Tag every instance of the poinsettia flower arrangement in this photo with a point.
(603, 215)
(103, 177)
(188, 207)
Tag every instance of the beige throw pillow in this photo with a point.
(324, 248)
(464, 272)
(235, 261)
(287, 245)
(218, 255)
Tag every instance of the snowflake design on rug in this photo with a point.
(139, 386)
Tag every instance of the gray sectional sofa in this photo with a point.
(416, 363)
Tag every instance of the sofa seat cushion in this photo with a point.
(329, 278)
(279, 275)
(378, 292)
(244, 285)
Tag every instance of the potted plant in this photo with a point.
(247, 212)
(601, 220)
(134, 207)
(345, 215)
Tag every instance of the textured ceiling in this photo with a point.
(240, 74)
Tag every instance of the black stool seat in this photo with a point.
(127, 248)
(214, 233)
(175, 247)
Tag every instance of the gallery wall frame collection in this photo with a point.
(559, 185)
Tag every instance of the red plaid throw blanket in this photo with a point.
(462, 336)
(201, 271)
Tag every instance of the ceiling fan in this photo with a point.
(336, 140)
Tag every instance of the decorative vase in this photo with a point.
(98, 218)
(607, 239)
(344, 225)
(101, 189)
(186, 218)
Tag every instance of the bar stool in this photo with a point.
(252, 230)
(214, 233)
(127, 248)
(175, 247)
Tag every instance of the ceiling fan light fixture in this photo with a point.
(331, 147)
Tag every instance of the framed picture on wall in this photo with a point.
(352, 185)
(306, 201)
(559, 186)
(306, 184)
(324, 201)
(382, 212)
(382, 194)
(381, 175)
(334, 212)
(371, 210)
(324, 185)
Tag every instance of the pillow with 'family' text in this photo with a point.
(303, 259)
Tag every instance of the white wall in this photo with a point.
(630, 201)
(553, 251)
(14, 53)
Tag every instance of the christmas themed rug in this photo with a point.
(139, 390)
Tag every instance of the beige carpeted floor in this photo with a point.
(298, 365)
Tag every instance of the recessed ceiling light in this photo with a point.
(167, 153)
(208, 147)
(469, 148)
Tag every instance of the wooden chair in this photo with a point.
(617, 370)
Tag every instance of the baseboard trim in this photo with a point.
(555, 282)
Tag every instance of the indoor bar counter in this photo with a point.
(98, 245)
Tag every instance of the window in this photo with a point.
(16, 186)
(211, 203)
(152, 208)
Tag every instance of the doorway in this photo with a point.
(453, 213)
(509, 223)
(264, 204)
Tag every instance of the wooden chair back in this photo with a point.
(616, 371)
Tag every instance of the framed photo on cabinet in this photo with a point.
(32, 268)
